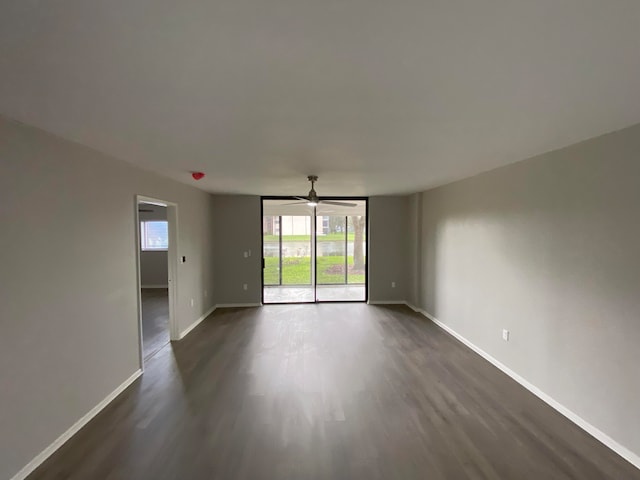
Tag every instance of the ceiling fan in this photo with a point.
(313, 200)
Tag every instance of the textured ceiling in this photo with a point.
(374, 97)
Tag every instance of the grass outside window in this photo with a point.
(297, 271)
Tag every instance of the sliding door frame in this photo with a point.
(312, 245)
(346, 252)
(314, 249)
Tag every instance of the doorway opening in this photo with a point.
(156, 236)
(314, 253)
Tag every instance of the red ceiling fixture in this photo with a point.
(197, 175)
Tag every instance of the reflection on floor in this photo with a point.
(155, 320)
(328, 293)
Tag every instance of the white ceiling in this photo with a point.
(375, 97)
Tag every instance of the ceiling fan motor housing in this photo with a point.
(313, 200)
(313, 196)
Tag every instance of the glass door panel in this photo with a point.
(357, 248)
(331, 251)
(341, 252)
(271, 250)
(296, 250)
(288, 232)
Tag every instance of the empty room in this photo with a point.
(320, 240)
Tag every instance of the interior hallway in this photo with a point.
(155, 320)
(329, 391)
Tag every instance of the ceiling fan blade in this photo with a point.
(302, 198)
(295, 203)
(341, 204)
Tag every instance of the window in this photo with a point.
(154, 235)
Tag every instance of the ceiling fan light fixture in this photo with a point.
(312, 200)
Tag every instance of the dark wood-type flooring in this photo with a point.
(155, 320)
(329, 391)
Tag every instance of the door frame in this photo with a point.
(172, 264)
(314, 249)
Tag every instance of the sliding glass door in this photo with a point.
(314, 253)
(287, 244)
(341, 252)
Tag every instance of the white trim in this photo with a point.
(47, 452)
(172, 267)
(138, 282)
(236, 305)
(187, 330)
(172, 271)
(598, 434)
(387, 302)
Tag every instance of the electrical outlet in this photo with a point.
(505, 335)
(393, 284)
(245, 286)
(249, 252)
(246, 254)
(192, 302)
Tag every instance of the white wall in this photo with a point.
(547, 248)
(154, 269)
(68, 307)
(414, 249)
(239, 228)
(388, 248)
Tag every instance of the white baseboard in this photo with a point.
(154, 286)
(598, 434)
(186, 331)
(47, 452)
(236, 305)
(387, 302)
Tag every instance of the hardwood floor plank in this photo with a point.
(330, 391)
(155, 319)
